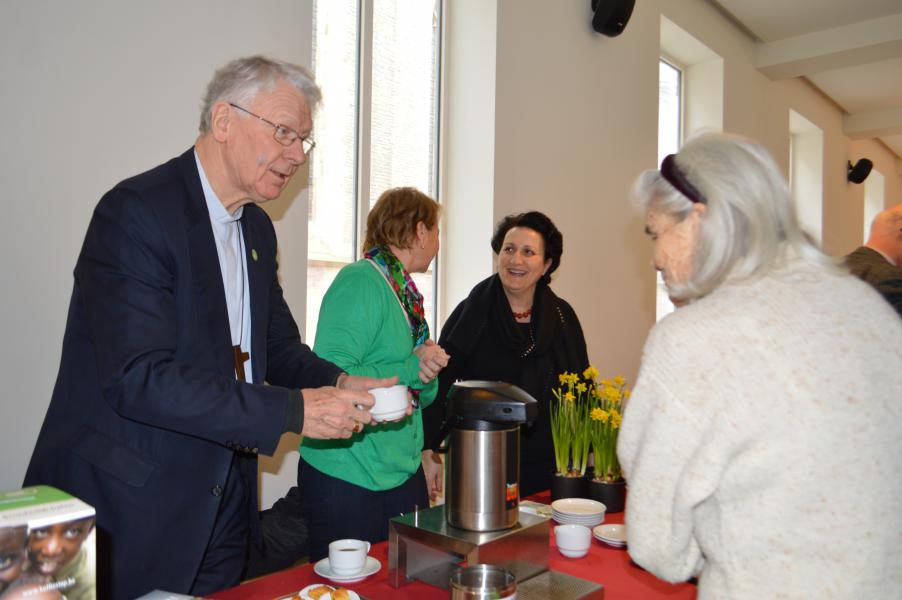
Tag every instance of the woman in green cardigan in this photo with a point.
(372, 322)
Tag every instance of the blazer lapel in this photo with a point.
(207, 276)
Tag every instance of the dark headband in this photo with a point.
(671, 172)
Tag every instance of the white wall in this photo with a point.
(576, 121)
(94, 92)
(468, 141)
(838, 235)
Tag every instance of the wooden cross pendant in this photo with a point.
(240, 358)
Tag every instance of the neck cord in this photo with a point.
(241, 300)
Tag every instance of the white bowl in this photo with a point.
(389, 416)
(573, 553)
(587, 521)
(572, 538)
(578, 507)
(391, 402)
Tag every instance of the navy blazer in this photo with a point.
(146, 415)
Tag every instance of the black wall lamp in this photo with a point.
(611, 16)
(860, 170)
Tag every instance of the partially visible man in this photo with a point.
(879, 261)
(176, 320)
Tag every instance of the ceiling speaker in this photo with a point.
(860, 171)
(611, 16)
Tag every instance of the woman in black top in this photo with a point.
(513, 328)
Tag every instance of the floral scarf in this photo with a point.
(406, 290)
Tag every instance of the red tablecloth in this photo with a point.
(611, 567)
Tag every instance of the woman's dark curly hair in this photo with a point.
(541, 224)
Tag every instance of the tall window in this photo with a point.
(874, 190)
(670, 109)
(377, 64)
(806, 172)
(670, 135)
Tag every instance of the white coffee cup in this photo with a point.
(391, 402)
(573, 541)
(348, 557)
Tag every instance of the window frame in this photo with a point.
(663, 305)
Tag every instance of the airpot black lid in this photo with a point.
(490, 401)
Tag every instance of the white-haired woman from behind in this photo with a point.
(761, 444)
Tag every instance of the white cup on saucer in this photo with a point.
(348, 557)
(391, 402)
(573, 541)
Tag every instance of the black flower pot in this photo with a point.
(612, 495)
(567, 487)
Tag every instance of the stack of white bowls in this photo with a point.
(578, 511)
(612, 535)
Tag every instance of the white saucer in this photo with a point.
(610, 544)
(323, 569)
(612, 533)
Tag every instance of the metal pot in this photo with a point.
(482, 582)
(482, 470)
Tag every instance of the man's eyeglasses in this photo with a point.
(284, 135)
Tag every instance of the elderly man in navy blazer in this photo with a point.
(879, 261)
(176, 321)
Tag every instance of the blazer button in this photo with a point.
(217, 490)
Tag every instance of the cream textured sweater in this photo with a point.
(763, 442)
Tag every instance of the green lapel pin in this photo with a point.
(254, 254)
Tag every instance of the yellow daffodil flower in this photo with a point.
(587, 414)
